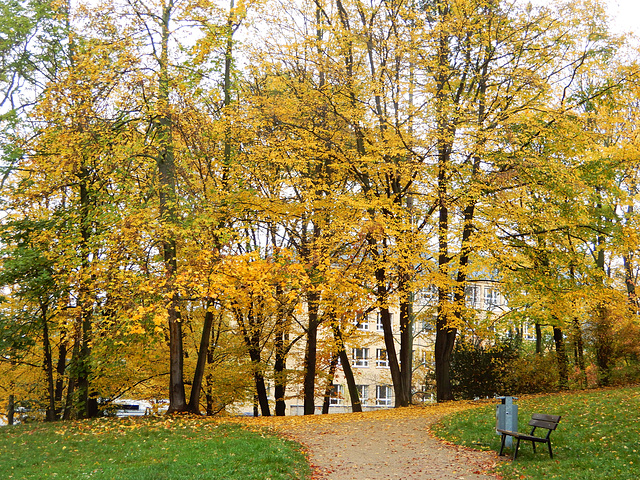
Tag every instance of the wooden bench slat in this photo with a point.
(523, 436)
(543, 424)
(546, 418)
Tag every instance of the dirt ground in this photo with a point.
(390, 444)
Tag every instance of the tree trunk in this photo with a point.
(538, 338)
(329, 388)
(251, 334)
(279, 366)
(630, 283)
(177, 396)
(406, 347)
(561, 356)
(203, 352)
(445, 333)
(630, 279)
(167, 209)
(85, 302)
(11, 408)
(310, 355)
(69, 407)
(603, 345)
(261, 393)
(603, 328)
(445, 340)
(209, 396)
(392, 356)
(61, 366)
(382, 297)
(356, 404)
(354, 396)
(579, 351)
(262, 396)
(213, 407)
(48, 366)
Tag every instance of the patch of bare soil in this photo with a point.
(389, 444)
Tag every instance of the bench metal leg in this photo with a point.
(502, 444)
(550, 452)
(515, 453)
(534, 446)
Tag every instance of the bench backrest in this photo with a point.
(550, 422)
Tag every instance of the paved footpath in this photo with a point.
(383, 446)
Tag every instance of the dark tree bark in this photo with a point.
(165, 161)
(212, 407)
(48, 365)
(603, 326)
(538, 338)
(445, 341)
(61, 366)
(11, 409)
(279, 366)
(262, 394)
(630, 282)
(445, 333)
(603, 345)
(329, 388)
(69, 407)
(251, 332)
(356, 404)
(579, 350)
(87, 406)
(561, 356)
(406, 344)
(354, 396)
(310, 354)
(203, 352)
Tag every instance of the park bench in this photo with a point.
(538, 420)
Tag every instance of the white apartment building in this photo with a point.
(367, 352)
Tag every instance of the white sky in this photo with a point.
(625, 14)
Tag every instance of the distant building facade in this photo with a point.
(368, 354)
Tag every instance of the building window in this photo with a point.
(421, 325)
(471, 292)
(490, 298)
(362, 322)
(363, 393)
(427, 296)
(337, 395)
(383, 395)
(527, 333)
(360, 357)
(381, 358)
(426, 357)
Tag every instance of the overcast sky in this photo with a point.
(625, 14)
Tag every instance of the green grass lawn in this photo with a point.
(598, 436)
(146, 449)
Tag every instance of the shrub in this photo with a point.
(532, 373)
(479, 370)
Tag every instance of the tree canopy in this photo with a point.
(199, 191)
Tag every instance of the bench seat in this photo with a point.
(538, 420)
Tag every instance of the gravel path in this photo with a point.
(384, 445)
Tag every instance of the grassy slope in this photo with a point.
(598, 436)
(146, 449)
